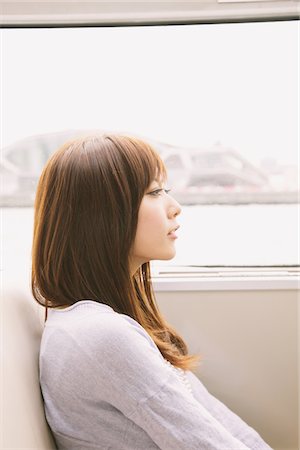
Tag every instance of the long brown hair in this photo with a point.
(86, 213)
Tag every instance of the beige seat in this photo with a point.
(23, 424)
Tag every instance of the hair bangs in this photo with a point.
(151, 166)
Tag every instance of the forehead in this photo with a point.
(160, 175)
(160, 181)
(153, 168)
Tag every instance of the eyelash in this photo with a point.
(158, 191)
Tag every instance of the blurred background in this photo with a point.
(219, 102)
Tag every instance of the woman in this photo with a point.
(113, 373)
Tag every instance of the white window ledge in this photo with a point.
(225, 279)
(52, 12)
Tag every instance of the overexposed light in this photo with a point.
(194, 85)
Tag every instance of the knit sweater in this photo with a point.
(106, 385)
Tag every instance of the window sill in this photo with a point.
(225, 279)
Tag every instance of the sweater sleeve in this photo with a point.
(233, 423)
(124, 368)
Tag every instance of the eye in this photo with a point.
(158, 192)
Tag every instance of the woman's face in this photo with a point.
(155, 235)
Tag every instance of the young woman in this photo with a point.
(114, 374)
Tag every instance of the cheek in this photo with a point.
(147, 229)
(150, 226)
(149, 222)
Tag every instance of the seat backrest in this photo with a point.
(23, 422)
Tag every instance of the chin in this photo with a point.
(167, 256)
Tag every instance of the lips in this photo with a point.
(173, 230)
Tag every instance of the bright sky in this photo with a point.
(188, 85)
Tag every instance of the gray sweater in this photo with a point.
(106, 386)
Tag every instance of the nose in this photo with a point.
(174, 209)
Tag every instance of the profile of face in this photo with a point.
(156, 228)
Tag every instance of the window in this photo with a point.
(219, 102)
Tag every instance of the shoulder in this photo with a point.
(96, 327)
(106, 346)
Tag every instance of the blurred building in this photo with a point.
(196, 175)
